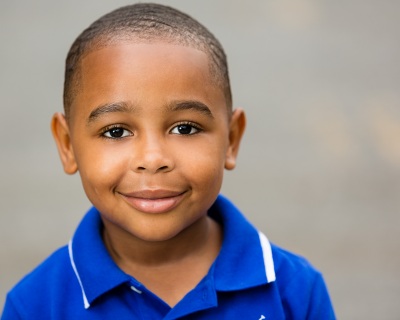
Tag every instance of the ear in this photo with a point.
(236, 130)
(60, 130)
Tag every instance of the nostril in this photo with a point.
(163, 168)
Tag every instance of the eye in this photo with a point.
(116, 133)
(185, 129)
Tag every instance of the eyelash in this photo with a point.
(119, 126)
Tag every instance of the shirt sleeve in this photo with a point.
(10, 312)
(306, 297)
(320, 306)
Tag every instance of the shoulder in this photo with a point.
(301, 286)
(53, 268)
(35, 290)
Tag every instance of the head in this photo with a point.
(146, 23)
(146, 123)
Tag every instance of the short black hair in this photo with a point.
(145, 22)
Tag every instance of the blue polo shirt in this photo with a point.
(250, 279)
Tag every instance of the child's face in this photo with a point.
(150, 135)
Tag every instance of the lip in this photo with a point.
(154, 201)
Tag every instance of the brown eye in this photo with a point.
(117, 132)
(185, 129)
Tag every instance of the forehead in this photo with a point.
(153, 59)
(146, 72)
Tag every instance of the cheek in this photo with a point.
(100, 170)
(204, 169)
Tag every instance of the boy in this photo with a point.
(149, 126)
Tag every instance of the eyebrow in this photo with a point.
(191, 105)
(109, 108)
(129, 108)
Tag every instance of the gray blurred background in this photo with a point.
(319, 167)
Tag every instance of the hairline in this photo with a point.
(107, 40)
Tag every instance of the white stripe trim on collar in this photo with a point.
(267, 255)
(71, 258)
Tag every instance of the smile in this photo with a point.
(154, 201)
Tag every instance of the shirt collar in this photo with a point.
(97, 273)
(245, 259)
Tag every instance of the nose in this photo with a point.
(151, 155)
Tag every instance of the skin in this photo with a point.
(150, 135)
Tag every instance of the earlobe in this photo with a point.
(61, 134)
(236, 130)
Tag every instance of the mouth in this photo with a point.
(154, 201)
